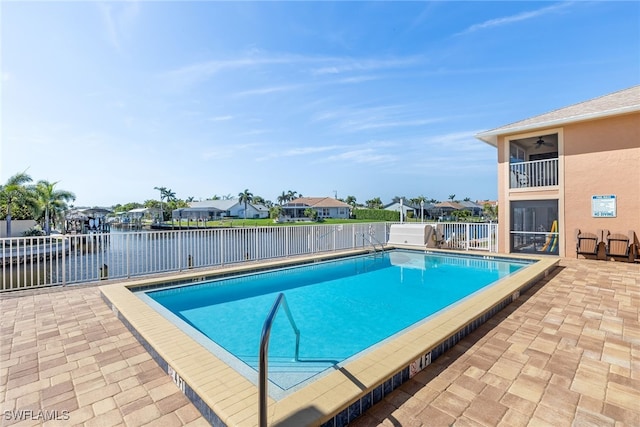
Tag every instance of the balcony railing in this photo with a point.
(538, 173)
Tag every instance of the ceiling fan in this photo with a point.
(540, 142)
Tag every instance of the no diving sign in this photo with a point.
(603, 206)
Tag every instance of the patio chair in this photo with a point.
(618, 245)
(587, 243)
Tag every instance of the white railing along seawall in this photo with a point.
(28, 262)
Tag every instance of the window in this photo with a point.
(517, 154)
(534, 226)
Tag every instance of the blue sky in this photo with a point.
(370, 99)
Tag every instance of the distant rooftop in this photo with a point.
(317, 202)
(621, 102)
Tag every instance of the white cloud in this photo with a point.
(300, 151)
(227, 151)
(357, 79)
(221, 118)
(118, 17)
(200, 71)
(365, 155)
(254, 132)
(267, 90)
(515, 18)
(357, 119)
(344, 65)
(376, 124)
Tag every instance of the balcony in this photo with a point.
(537, 173)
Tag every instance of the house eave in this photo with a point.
(491, 137)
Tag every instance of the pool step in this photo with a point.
(287, 364)
(287, 373)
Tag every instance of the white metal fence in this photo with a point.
(468, 236)
(59, 260)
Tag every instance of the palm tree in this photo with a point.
(283, 198)
(351, 200)
(15, 192)
(165, 193)
(162, 190)
(452, 196)
(170, 195)
(53, 202)
(374, 203)
(417, 200)
(245, 197)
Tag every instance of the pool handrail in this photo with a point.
(263, 367)
(373, 244)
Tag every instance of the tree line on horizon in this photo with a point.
(47, 205)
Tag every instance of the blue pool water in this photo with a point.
(341, 307)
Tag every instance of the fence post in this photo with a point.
(221, 234)
(286, 241)
(180, 251)
(490, 236)
(64, 261)
(467, 235)
(127, 254)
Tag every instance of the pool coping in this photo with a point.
(225, 397)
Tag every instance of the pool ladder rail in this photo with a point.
(373, 243)
(263, 366)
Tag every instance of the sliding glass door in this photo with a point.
(534, 226)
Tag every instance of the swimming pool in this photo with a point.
(341, 307)
(338, 395)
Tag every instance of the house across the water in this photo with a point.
(326, 207)
(209, 210)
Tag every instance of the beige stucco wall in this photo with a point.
(597, 157)
(18, 226)
(602, 157)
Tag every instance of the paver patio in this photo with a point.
(566, 353)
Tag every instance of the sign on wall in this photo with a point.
(603, 206)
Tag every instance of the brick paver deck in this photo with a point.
(566, 353)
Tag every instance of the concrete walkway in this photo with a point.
(566, 353)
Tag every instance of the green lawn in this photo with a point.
(265, 222)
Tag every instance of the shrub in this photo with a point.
(376, 214)
(33, 231)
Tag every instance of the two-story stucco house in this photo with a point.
(573, 168)
(326, 207)
(214, 209)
